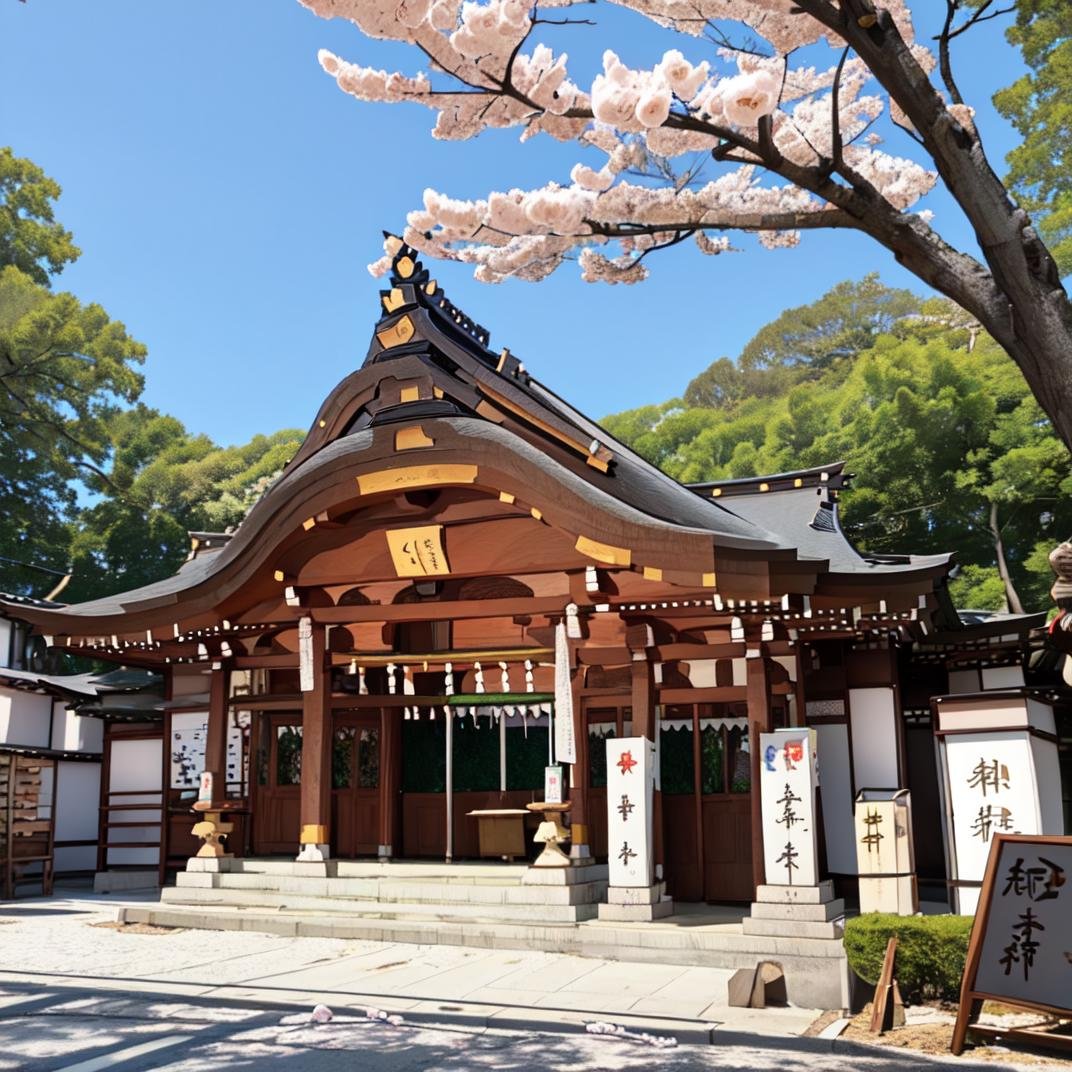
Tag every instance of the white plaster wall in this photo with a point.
(25, 718)
(72, 732)
(835, 789)
(1003, 677)
(136, 767)
(873, 714)
(77, 813)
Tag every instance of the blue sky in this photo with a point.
(227, 198)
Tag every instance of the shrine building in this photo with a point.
(459, 581)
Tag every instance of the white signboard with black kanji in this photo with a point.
(991, 783)
(787, 782)
(1021, 943)
(630, 780)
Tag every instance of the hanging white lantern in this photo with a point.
(479, 675)
(448, 679)
(528, 676)
(391, 678)
(505, 677)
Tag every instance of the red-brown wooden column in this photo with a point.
(759, 721)
(316, 745)
(216, 733)
(390, 783)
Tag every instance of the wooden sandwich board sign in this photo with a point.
(1020, 951)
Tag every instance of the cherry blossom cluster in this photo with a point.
(739, 105)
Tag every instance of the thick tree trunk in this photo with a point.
(1012, 597)
(1018, 296)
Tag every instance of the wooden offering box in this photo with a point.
(502, 832)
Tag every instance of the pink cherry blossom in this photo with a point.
(653, 106)
(748, 97)
(486, 71)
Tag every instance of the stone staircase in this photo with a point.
(486, 906)
(354, 890)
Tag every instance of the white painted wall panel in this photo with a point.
(25, 718)
(835, 791)
(1003, 677)
(873, 715)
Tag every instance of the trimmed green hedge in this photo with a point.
(930, 952)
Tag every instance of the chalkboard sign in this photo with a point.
(1020, 950)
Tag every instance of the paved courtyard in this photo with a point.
(79, 995)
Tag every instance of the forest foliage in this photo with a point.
(950, 449)
(93, 483)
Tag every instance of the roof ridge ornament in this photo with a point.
(407, 271)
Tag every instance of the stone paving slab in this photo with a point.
(61, 948)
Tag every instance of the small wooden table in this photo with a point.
(501, 832)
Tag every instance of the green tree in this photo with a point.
(163, 482)
(950, 449)
(1039, 105)
(65, 370)
(30, 238)
(845, 321)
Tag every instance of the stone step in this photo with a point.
(788, 928)
(809, 913)
(467, 874)
(816, 969)
(391, 890)
(371, 909)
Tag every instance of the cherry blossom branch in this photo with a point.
(945, 64)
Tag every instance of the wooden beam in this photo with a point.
(446, 610)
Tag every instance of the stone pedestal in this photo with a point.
(796, 911)
(631, 904)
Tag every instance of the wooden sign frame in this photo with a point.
(971, 999)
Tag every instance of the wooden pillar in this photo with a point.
(390, 783)
(316, 743)
(216, 733)
(643, 697)
(759, 721)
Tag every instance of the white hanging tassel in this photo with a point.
(472, 712)
(479, 677)
(406, 714)
(416, 714)
(353, 667)
(505, 677)
(448, 679)
(362, 684)
(525, 722)
(573, 624)
(529, 687)
(391, 678)
(407, 680)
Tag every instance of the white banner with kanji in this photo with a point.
(630, 780)
(787, 782)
